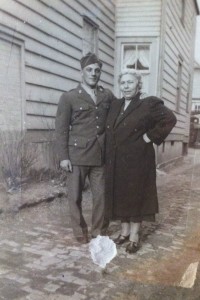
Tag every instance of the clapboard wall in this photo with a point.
(178, 46)
(138, 18)
(51, 33)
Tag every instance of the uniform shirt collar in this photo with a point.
(89, 90)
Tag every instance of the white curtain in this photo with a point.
(143, 56)
(129, 57)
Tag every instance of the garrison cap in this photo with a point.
(88, 59)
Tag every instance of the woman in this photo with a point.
(133, 125)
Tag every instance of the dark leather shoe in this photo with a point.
(121, 239)
(82, 239)
(132, 247)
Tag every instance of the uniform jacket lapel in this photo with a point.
(100, 95)
(83, 95)
(86, 97)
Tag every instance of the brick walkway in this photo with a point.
(39, 258)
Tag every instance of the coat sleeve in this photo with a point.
(162, 120)
(62, 127)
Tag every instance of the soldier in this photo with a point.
(80, 135)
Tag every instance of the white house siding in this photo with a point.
(138, 18)
(178, 42)
(52, 31)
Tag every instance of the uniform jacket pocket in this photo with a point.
(78, 110)
(106, 105)
(79, 142)
(81, 107)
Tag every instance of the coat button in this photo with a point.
(97, 126)
(108, 126)
(81, 108)
(75, 144)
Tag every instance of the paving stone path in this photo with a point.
(39, 259)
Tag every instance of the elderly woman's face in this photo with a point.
(128, 86)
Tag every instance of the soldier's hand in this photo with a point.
(66, 165)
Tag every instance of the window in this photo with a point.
(137, 57)
(179, 83)
(197, 108)
(141, 54)
(90, 36)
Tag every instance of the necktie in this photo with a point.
(94, 96)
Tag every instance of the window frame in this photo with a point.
(136, 45)
(95, 27)
(8, 37)
(179, 84)
(154, 61)
(183, 11)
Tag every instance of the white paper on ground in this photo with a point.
(189, 277)
(102, 250)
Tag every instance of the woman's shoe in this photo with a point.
(132, 247)
(121, 239)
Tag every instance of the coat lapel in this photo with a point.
(135, 102)
(117, 105)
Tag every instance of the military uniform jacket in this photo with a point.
(80, 126)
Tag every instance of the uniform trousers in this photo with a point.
(76, 182)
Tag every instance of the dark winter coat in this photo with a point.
(130, 161)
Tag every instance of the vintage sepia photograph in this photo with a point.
(99, 149)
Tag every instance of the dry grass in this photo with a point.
(16, 158)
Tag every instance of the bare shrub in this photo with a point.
(16, 158)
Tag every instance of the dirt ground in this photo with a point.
(39, 258)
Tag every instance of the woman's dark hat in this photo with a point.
(88, 59)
